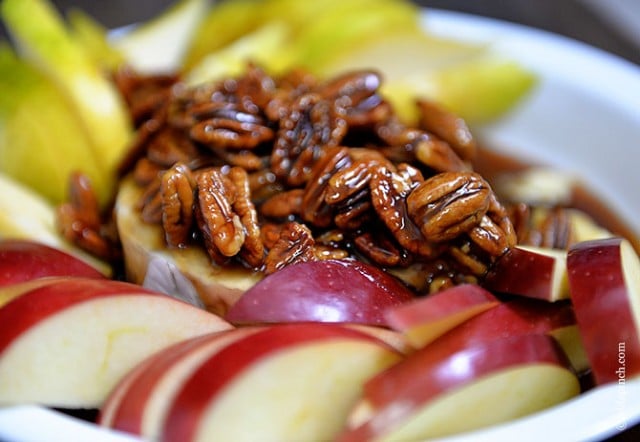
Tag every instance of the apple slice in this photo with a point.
(323, 291)
(40, 128)
(9, 292)
(534, 272)
(24, 260)
(424, 319)
(517, 317)
(285, 382)
(604, 281)
(146, 256)
(159, 45)
(67, 344)
(437, 392)
(43, 38)
(140, 401)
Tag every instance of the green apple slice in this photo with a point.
(160, 44)
(345, 28)
(41, 138)
(267, 46)
(230, 20)
(41, 36)
(94, 38)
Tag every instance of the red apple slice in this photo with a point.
(8, 292)
(517, 317)
(286, 382)
(23, 260)
(604, 281)
(67, 344)
(322, 291)
(140, 401)
(424, 319)
(535, 272)
(436, 392)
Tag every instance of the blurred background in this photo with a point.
(611, 25)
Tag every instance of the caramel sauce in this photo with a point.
(491, 164)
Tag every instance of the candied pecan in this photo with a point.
(237, 131)
(283, 205)
(150, 202)
(557, 229)
(314, 208)
(448, 126)
(495, 233)
(357, 94)
(449, 204)
(438, 155)
(264, 184)
(463, 256)
(542, 226)
(390, 203)
(255, 89)
(168, 146)
(246, 159)
(295, 244)
(80, 222)
(177, 191)
(252, 251)
(323, 252)
(143, 94)
(221, 228)
(145, 171)
(381, 250)
(309, 125)
(270, 232)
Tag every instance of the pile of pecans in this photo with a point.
(265, 172)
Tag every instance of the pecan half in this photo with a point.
(449, 204)
(294, 244)
(221, 227)
(252, 251)
(177, 191)
(390, 203)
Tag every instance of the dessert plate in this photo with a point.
(583, 118)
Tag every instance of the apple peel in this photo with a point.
(604, 281)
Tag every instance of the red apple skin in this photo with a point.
(24, 260)
(517, 317)
(129, 399)
(218, 371)
(603, 309)
(19, 314)
(321, 291)
(435, 370)
(522, 272)
(440, 306)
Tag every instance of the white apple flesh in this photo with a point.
(424, 319)
(67, 344)
(534, 272)
(604, 282)
(287, 382)
(436, 392)
(321, 291)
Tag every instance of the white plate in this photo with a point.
(584, 117)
